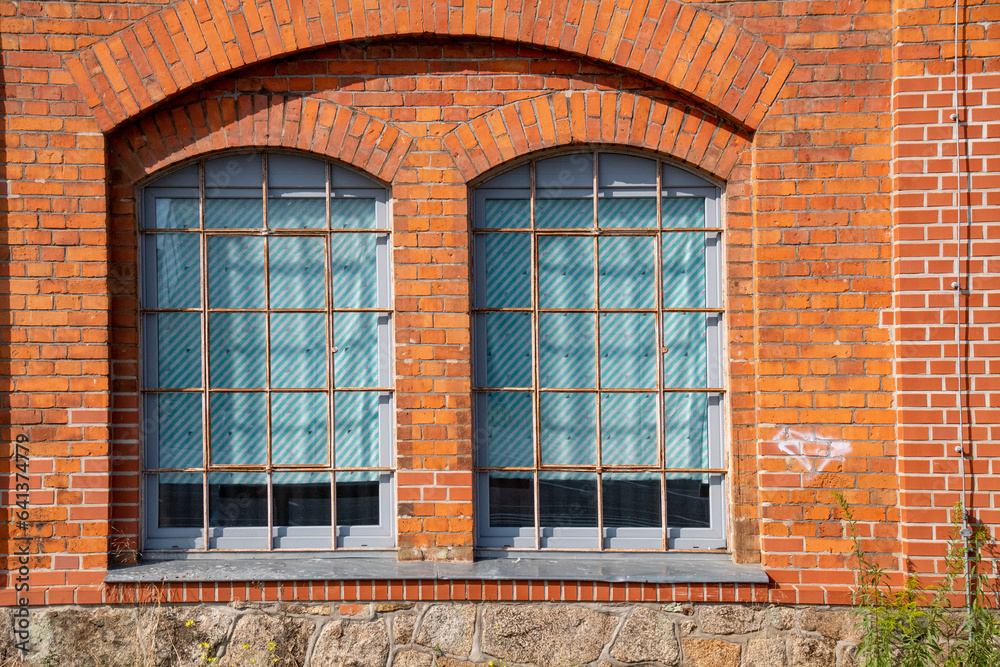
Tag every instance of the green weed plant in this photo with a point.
(917, 625)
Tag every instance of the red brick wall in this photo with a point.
(811, 111)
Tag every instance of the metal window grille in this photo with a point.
(267, 375)
(599, 391)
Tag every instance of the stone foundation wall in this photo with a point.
(439, 635)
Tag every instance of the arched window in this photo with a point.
(598, 356)
(267, 397)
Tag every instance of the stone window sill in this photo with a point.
(684, 568)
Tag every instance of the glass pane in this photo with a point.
(356, 362)
(508, 214)
(628, 350)
(508, 270)
(236, 348)
(555, 174)
(354, 270)
(632, 500)
(296, 212)
(512, 499)
(234, 213)
(178, 270)
(567, 499)
(295, 172)
(628, 271)
(686, 428)
(564, 213)
(179, 500)
(237, 499)
(508, 429)
(569, 428)
(566, 272)
(176, 419)
(358, 429)
(628, 429)
(232, 171)
(298, 350)
(684, 270)
(235, 272)
(621, 171)
(567, 350)
(358, 498)
(177, 350)
(239, 429)
(352, 213)
(296, 266)
(301, 498)
(508, 349)
(298, 429)
(685, 360)
(176, 213)
(688, 501)
(683, 211)
(626, 212)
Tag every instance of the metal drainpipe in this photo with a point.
(966, 532)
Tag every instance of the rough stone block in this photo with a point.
(832, 624)
(259, 638)
(710, 653)
(647, 636)
(545, 635)
(411, 658)
(448, 627)
(764, 652)
(355, 643)
(728, 619)
(402, 628)
(811, 652)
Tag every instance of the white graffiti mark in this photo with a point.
(812, 452)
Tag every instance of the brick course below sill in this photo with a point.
(650, 568)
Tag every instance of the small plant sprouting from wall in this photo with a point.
(918, 626)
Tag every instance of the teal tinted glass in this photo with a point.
(297, 274)
(628, 350)
(234, 213)
(298, 350)
(356, 362)
(235, 272)
(352, 213)
(173, 213)
(354, 270)
(298, 428)
(357, 428)
(508, 213)
(508, 349)
(628, 429)
(178, 351)
(508, 429)
(564, 213)
(296, 213)
(569, 428)
(178, 270)
(566, 271)
(685, 358)
(566, 350)
(178, 429)
(508, 270)
(626, 212)
(683, 269)
(683, 211)
(628, 271)
(686, 426)
(239, 428)
(236, 350)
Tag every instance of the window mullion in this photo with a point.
(330, 360)
(535, 361)
(597, 362)
(206, 403)
(660, 404)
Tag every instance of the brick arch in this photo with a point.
(588, 117)
(258, 120)
(720, 65)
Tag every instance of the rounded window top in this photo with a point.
(612, 170)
